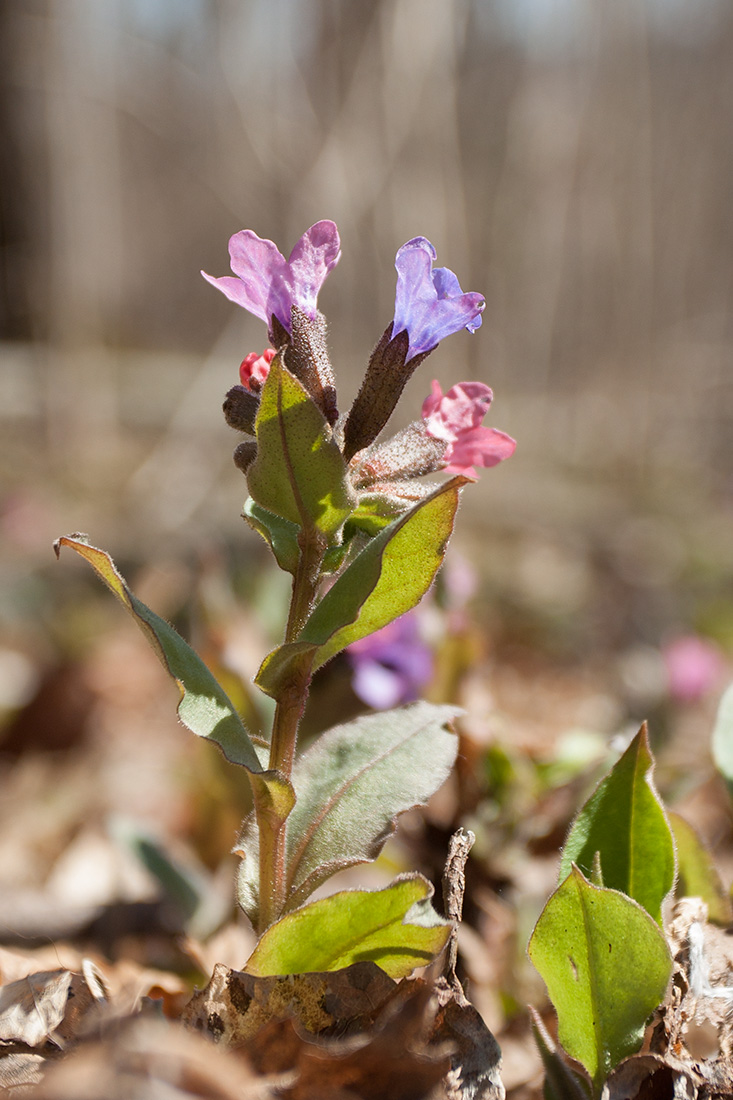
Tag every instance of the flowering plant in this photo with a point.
(350, 517)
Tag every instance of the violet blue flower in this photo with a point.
(392, 665)
(265, 283)
(456, 418)
(429, 302)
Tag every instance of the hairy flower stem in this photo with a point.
(289, 710)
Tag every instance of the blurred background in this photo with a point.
(570, 159)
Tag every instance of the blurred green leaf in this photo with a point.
(606, 965)
(397, 928)
(355, 780)
(625, 822)
(723, 739)
(205, 708)
(697, 875)
(299, 473)
(280, 534)
(560, 1081)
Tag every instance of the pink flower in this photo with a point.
(267, 284)
(694, 666)
(254, 368)
(456, 418)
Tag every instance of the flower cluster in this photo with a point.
(429, 306)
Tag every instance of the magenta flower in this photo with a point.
(456, 418)
(254, 369)
(429, 302)
(267, 284)
(694, 666)
(391, 666)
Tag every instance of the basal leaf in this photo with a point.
(280, 534)
(205, 708)
(697, 875)
(354, 781)
(396, 928)
(723, 738)
(625, 822)
(299, 473)
(606, 965)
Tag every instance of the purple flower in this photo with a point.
(392, 665)
(429, 302)
(265, 283)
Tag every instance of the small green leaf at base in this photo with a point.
(606, 965)
(625, 823)
(396, 928)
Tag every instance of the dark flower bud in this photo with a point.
(386, 376)
(244, 455)
(240, 409)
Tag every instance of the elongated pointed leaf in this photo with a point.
(397, 928)
(606, 965)
(205, 708)
(723, 739)
(354, 781)
(299, 473)
(697, 875)
(389, 577)
(625, 822)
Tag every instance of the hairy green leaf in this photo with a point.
(396, 928)
(625, 822)
(389, 577)
(606, 965)
(354, 781)
(299, 473)
(205, 708)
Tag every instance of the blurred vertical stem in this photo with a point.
(288, 712)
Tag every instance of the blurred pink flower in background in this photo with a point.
(694, 667)
(456, 418)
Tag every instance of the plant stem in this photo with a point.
(288, 712)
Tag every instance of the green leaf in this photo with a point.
(625, 822)
(606, 965)
(697, 875)
(354, 781)
(299, 473)
(280, 534)
(723, 739)
(397, 928)
(389, 577)
(205, 708)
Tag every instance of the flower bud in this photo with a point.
(240, 409)
(244, 455)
